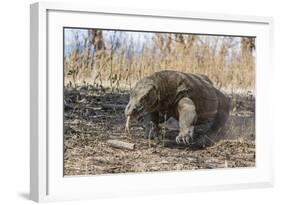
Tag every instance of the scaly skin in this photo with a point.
(200, 108)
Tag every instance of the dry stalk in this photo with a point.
(227, 67)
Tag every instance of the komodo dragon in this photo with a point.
(200, 108)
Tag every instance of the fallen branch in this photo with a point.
(121, 144)
(92, 108)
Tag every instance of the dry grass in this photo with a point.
(121, 66)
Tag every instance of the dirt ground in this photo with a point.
(93, 116)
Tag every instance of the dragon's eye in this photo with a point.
(132, 94)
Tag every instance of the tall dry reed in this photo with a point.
(120, 64)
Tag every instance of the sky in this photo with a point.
(69, 35)
(139, 38)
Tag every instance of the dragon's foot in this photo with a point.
(186, 140)
(185, 137)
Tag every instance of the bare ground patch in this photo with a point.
(91, 117)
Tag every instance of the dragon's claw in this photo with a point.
(178, 139)
(185, 138)
(182, 140)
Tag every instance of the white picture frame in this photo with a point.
(47, 182)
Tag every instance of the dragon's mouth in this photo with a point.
(139, 111)
(136, 112)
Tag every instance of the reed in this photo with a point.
(120, 64)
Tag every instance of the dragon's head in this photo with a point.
(143, 99)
